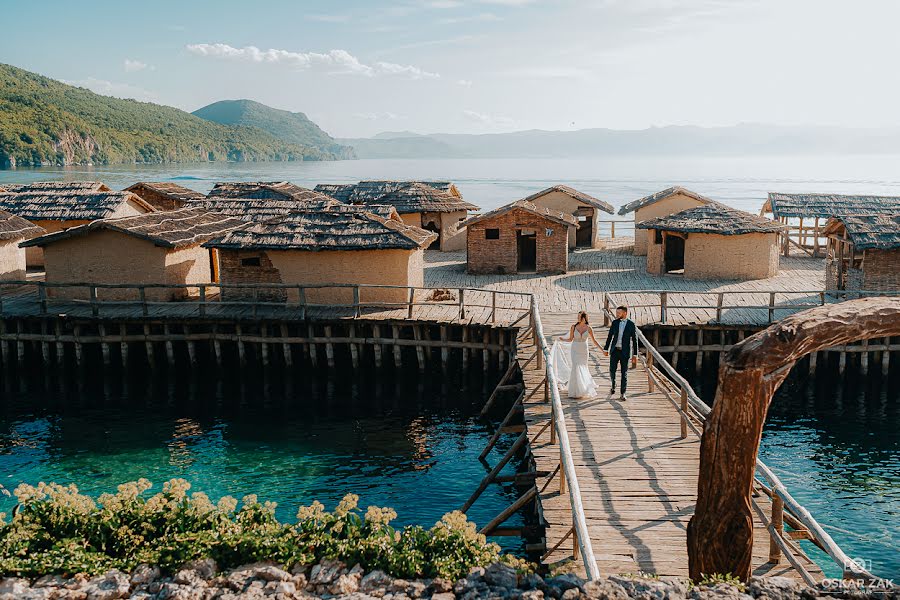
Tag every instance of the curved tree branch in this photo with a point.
(720, 534)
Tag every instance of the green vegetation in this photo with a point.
(45, 122)
(726, 579)
(294, 128)
(58, 530)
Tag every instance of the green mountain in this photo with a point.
(294, 128)
(45, 122)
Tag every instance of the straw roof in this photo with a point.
(264, 190)
(880, 232)
(167, 229)
(16, 228)
(825, 206)
(662, 195)
(55, 186)
(326, 230)
(541, 211)
(573, 193)
(713, 218)
(168, 189)
(258, 210)
(406, 196)
(67, 206)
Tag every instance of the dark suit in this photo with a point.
(618, 357)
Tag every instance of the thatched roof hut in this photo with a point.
(153, 248)
(264, 190)
(520, 237)
(433, 205)
(259, 210)
(311, 247)
(585, 208)
(55, 186)
(863, 252)
(70, 206)
(713, 241)
(825, 206)
(164, 195)
(166, 229)
(316, 231)
(13, 230)
(664, 202)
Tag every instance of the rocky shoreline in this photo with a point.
(333, 579)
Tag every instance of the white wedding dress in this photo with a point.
(570, 365)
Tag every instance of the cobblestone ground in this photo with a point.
(593, 272)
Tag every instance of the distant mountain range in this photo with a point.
(738, 140)
(46, 122)
(291, 127)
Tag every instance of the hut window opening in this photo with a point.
(251, 261)
(657, 238)
(492, 234)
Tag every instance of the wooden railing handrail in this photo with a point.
(702, 411)
(567, 463)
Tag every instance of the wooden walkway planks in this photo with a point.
(638, 477)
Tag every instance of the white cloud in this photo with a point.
(464, 82)
(487, 119)
(338, 61)
(132, 66)
(116, 89)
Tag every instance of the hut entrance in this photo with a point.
(431, 226)
(673, 253)
(526, 243)
(584, 235)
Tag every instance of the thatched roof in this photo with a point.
(326, 230)
(258, 210)
(556, 216)
(406, 196)
(573, 193)
(880, 232)
(68, 206)
(825, 206)
(55, 186)
(662, 195)
(16, 228)
(167, 188)
(264, 190)
(168, 229)
(712, 218)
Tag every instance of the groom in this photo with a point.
(623, 339)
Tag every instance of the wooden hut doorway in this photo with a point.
(673, 253)
(526, 251)
(432, 226)
(584, 235)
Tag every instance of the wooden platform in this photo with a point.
(638, 478)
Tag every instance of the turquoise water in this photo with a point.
(412, 445)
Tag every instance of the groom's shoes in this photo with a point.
(623, 397)
(612, 390)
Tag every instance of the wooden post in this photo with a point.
(698, 360)
(142, 292)
(376, 347)
(264, 345)
(462, 304)
(720, 297)
(286, 346)
(684, 410)
(553, 428)
(663, 306)
(191, 347)
(445, 352)
(301, 296)
(409, 307)
(202, 299)
(778, 524)
(242, 355)
(651, 387)
(816, 240)
(771, 307)
(606, 320)
(562, 475)
(612, 230)
(42, 296)
(493, 307)
(123, 345)
(95, 310)
(148, 345)
(329, 347)
(356, 311)
(574, 543)
(104, 347)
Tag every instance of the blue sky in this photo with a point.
(359, 68)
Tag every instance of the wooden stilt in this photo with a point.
(515, 408)
(329, 347)
(264, 345)
(123, 345)
(217, 345)
(79, 357)
(242, 351)
(151, 358)
(376, 347)
(313, 347)
(509, 511)
(354, 347)
(445, 352)
(420, 351)
(191, 347)
(170, 350)
(398, 360)
(286, 347)
(496, 470)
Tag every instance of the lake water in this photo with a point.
(837, 447)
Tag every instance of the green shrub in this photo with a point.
(59, 530)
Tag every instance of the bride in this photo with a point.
(570, 359)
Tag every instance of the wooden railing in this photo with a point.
(693, 411)
(626, 227)
(778, 301)
(203, 299)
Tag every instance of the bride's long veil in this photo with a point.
(560, 361)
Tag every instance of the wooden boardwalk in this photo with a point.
(638, 477)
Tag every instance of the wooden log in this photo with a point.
(778, 523)
(286, 346)
(509, 511)
(495, 471)
(148, 346)
(377, 348)
(354, 348)
(191, 346)
(217, 345)
(720, 534)
(123, 345)
(170, 350)
(514, 409)
(329, 347)
(398, 359)
(242, 351)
